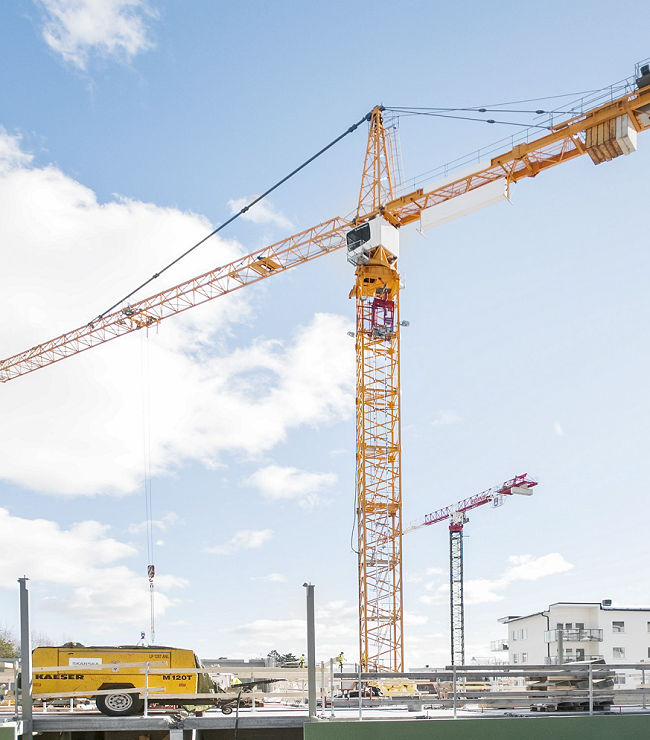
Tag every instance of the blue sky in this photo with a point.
(128, 127)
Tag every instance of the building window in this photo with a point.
(515, 658)
(648, 652)
(568, 626)
(514, 635)
(620, 679)
(580, 625)
(618, 626)
(524, 634)
(524, 657)
(619, 652)
(559, 626)
(648, 623)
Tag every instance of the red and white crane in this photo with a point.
(456, 514)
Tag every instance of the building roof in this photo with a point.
(599, 604)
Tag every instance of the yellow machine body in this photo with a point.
(101, 668)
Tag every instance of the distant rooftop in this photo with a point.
(234, 662)
(604, 605)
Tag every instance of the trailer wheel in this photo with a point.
(226, 710)
(119, 705)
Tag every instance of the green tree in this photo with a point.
(9, 646)
(280, 660)
(40, 639)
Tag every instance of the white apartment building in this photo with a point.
(567, 632)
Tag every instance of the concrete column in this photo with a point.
(178, 733)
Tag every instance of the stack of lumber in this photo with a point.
(569, 692)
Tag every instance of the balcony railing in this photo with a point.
(574, 635)
(572, 659)
(498, 645)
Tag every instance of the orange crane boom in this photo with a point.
(565, 142)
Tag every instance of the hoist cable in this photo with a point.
(352, 128)
(146, 459)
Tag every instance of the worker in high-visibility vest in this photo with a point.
(341, 659)
(236, 681)
(302, 660)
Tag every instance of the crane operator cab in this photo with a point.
(362, 241)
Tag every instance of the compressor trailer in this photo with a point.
(123, 680)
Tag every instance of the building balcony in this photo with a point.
(497, 646)
(572, 659)
(574, 635)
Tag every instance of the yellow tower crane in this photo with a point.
(373, 247)
(605, 130)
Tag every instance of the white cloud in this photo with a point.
(109, 28)
(162, 524)
(338, 608)
(557, 428)
(83, 562)
(529, 568)
(11, 154)
(277, 483)
(77, 427)
(336, 627)
(263, 212)
(484, 590)
(272, 578)
(419, 576)
(415, 620)
(445, 417)
(244, 539)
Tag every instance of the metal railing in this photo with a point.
(498, 645)
(586, 687)
(563, 112)
(574, 635)
(583, 687)
(572, 659)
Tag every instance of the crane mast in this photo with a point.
(373, 248)
(456, 597)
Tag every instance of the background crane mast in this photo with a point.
(457, 516)
(604, 128)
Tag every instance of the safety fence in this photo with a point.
(586, 687)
